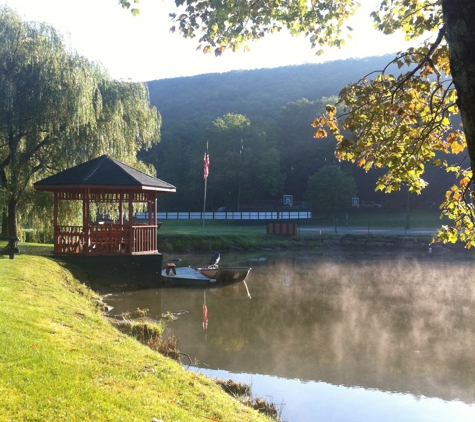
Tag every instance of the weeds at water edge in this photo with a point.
(242, 392)
(152, 334)
(149, 332)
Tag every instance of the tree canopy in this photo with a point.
(246, 161)
(301, 156)
(230, 24)
(400, 122)
(405, 122)
(57, 110)
(330, 190)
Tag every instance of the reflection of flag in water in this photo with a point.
(206, 163)
(205, 317)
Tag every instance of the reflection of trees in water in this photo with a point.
(229, 344)
(394, 326)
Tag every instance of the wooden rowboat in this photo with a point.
(187, 276)
(225, 274)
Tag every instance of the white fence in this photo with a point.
(251, 215)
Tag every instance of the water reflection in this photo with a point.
(401, 326)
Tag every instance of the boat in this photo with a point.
(212, 275)
(209, 271)
(185, 276)
(189, 277)
(225, 274)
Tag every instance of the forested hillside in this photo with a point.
(261, 144)
(198, 100)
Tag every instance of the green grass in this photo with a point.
(381, 218)
(375, 218)
(61, 360)
(41, 249)
(190, 235)
(212, 227)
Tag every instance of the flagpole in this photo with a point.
(204, 202)
(205, 175)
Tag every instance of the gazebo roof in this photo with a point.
(104, 172)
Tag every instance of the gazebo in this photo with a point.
(106, 180)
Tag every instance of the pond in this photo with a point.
(366, 337)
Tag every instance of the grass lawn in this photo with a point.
(362, 218)
(212, 228)
(60, 359)
(190, 235)
(381, 218)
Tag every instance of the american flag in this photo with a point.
(206, 163)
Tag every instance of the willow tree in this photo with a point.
(58, 109)
(402, 122)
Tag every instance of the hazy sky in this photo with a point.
(142, 48)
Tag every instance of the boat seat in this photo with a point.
(171, 267)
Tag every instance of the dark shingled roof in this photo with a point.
(104, 171)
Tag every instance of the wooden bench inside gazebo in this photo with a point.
(106, 180)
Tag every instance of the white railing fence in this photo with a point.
(245, 215)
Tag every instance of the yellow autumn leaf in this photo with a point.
(320, 133)
(452, 137)
(361, 162)
(331, 110)
(317, 122)
(457, 147)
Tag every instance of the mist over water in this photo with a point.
(326, 331)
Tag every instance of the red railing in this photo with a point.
(106, 239)
(68, 239)
(143, 239)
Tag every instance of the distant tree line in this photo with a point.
(261, 143)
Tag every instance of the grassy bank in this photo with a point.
(61, 360)
(190, 235)
(388, 219)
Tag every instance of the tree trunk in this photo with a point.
(4, 231)
(460, 33)
(12, 218)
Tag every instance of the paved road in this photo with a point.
(366, 230)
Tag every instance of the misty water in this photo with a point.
(343, 337)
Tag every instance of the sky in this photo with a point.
(142, 48)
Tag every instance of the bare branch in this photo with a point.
(426, 59)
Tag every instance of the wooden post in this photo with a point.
(121, 216)
(85, 220)
(155, 211)
(155, 230)
(56, 222)
(151, 209)
(131, 230)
